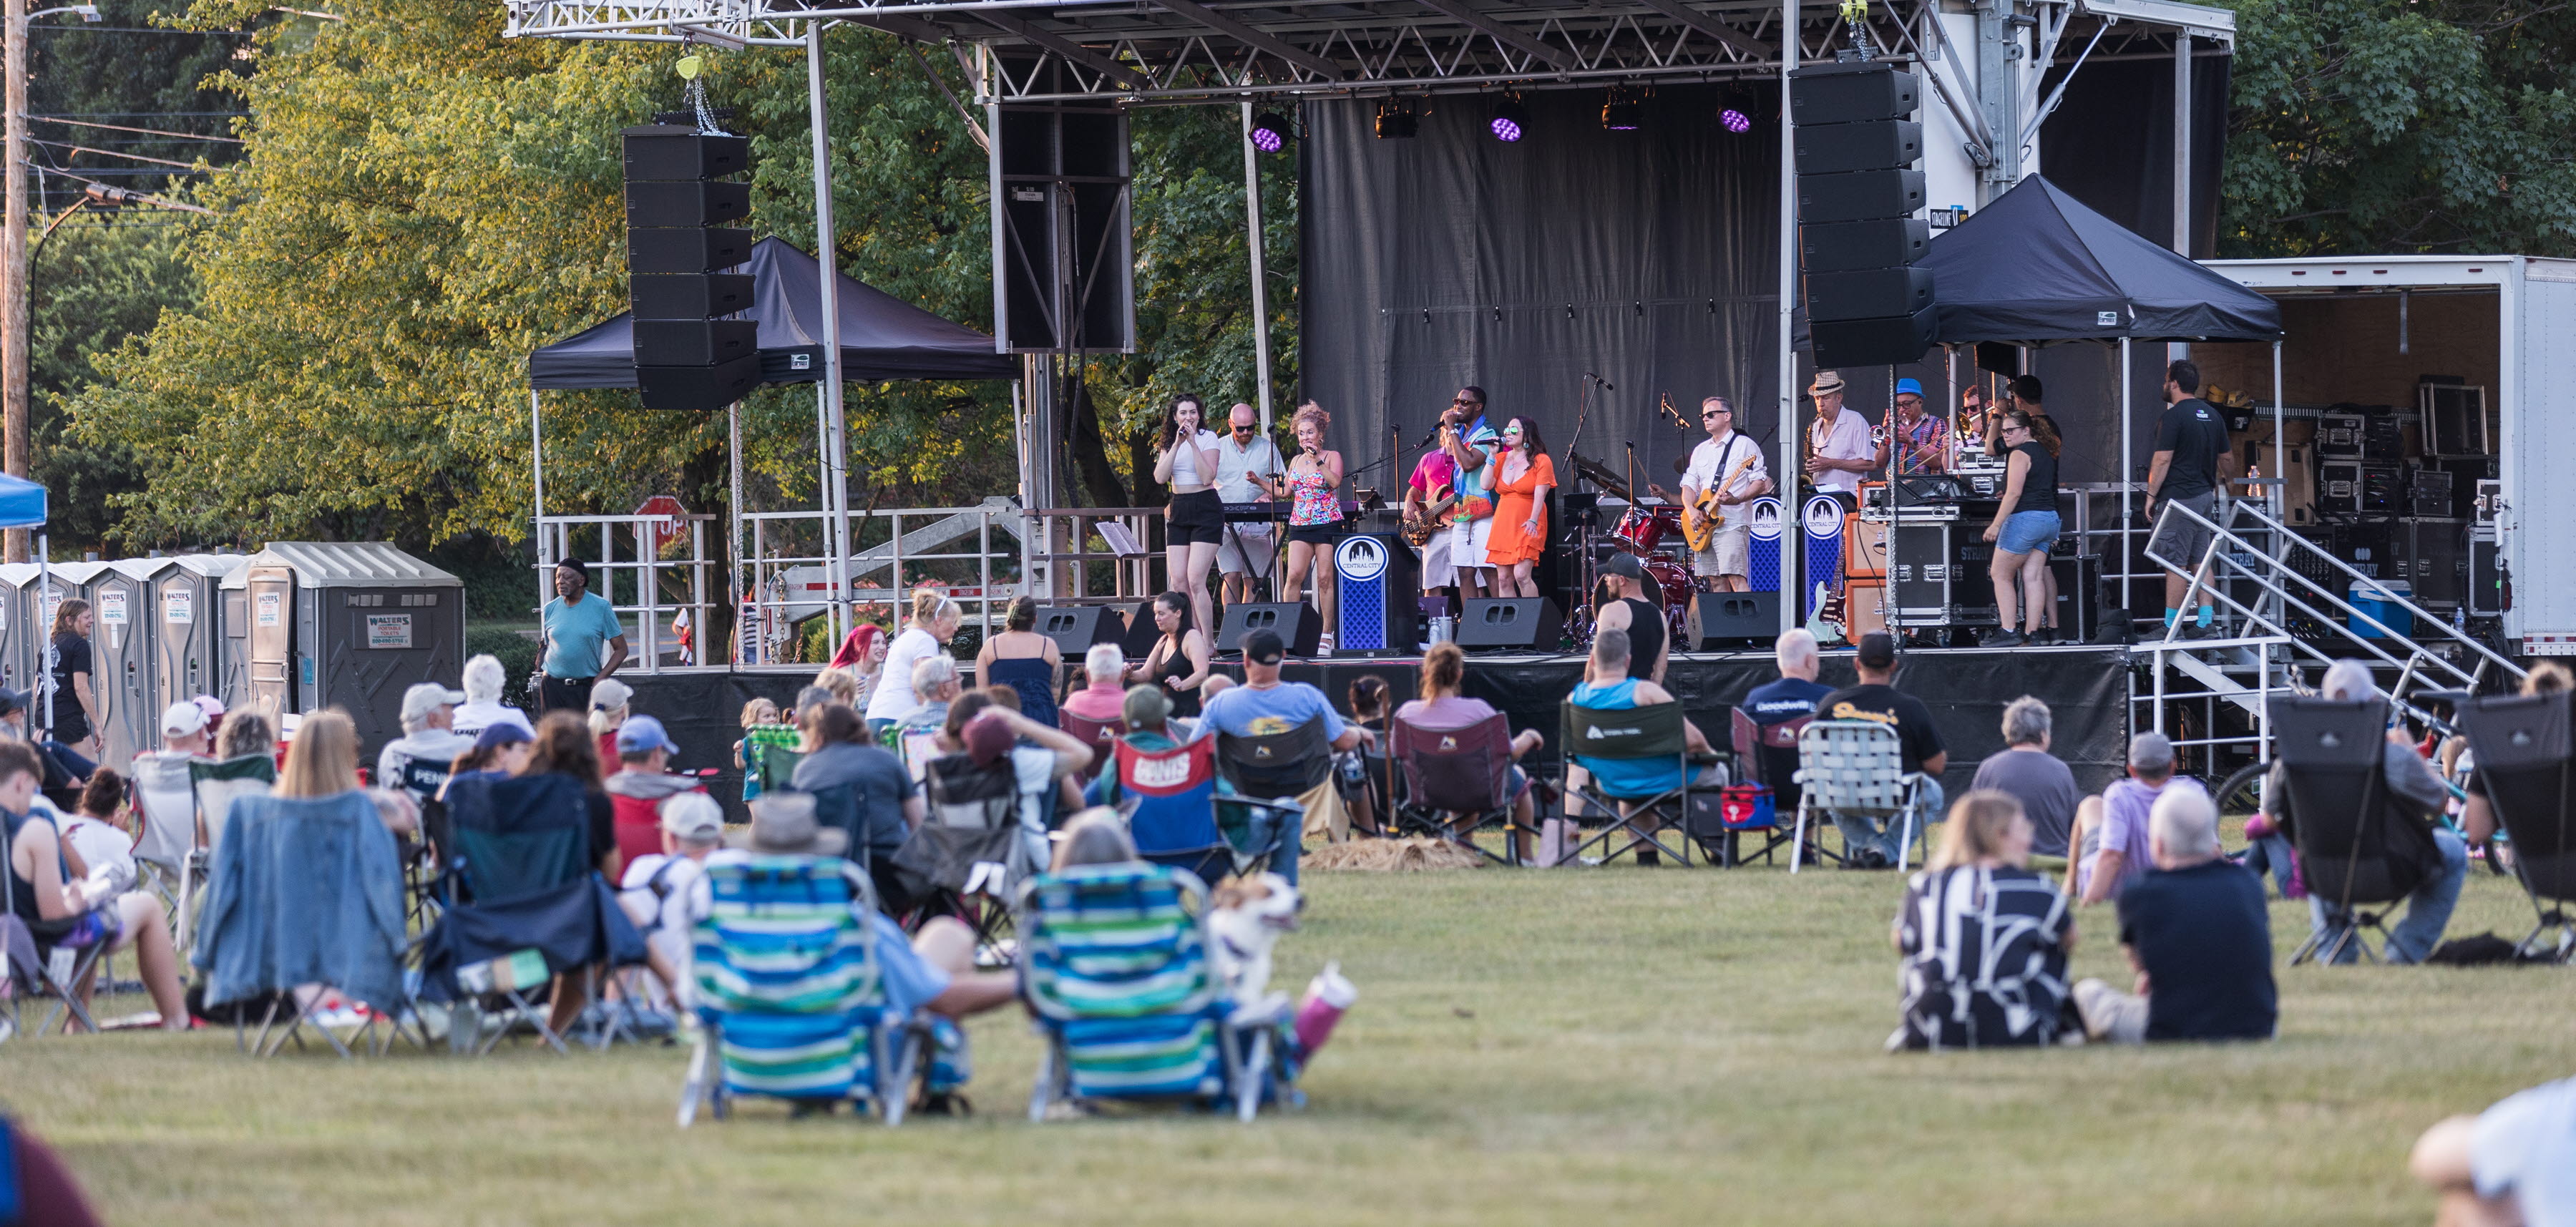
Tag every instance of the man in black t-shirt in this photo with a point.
(1872, 843)
(2191, 462)
(2197, 936)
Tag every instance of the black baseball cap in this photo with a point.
(12, 701)
(1624, 566)
(1878, 650)
(1264, 647)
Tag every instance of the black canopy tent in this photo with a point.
(2036, 267)
(882, 338)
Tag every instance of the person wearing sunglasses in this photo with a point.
(1731, 464)
(1523, 476)
(1471, 448)
(1248, 470)
(1922, 439)
(2021, 534)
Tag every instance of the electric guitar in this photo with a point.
(1702, 519)
(1418, 533)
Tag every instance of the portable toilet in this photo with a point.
(22, 638)
(68, 581)
(350, 624)
(188, 629)
(129, 697)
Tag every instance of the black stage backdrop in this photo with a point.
(1650, 257)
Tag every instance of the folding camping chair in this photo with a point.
(331, 861)
(502, 951)
(1629, 734)
(523, 880)
(1179, 817)
(216, 784)
(791, 1001)
(1100, 735)
(1766, 757)
(33, 962)
(1454, 777)
(979, 839)
(2358, 847)
(1114, 968)
(2527, 766)
(165, 852)
(1855, 769)
(778, 768)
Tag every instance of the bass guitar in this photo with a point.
(1418, 533)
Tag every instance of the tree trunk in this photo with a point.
(1091, 453)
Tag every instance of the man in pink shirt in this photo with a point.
(1099, 700)
(1434, 479)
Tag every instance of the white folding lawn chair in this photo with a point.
(1856, 769)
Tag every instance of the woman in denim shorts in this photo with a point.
(2021, 534)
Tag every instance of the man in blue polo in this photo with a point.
(584, 640)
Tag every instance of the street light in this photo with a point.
(88, 12)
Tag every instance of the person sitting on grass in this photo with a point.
(1444, 708)
(1607, 686)
(1984, 938)
(2036, 778)
(2197, 935)
(2511, 1165)
(2110, 840)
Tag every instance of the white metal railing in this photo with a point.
(782, 581)
(645, 572)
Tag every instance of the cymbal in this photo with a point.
(1599, 474)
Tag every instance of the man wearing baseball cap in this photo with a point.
(1839, 449)
(1876, 699)
(643, 785)
(654, 892)
(417, 762)
(583, 640)
(1264, 705)
(1629, 610)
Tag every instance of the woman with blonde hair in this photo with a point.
(934, 622)
(1984, 938)
(1314, 517)
(1444, 707)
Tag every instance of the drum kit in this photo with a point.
(1652, 531)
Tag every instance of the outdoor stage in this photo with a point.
(1966, 688)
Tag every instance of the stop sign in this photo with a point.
(664, 505)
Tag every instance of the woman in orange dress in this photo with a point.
(1521, 484)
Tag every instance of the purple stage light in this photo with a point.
(1736, 121)
(1265, 140)
(1511, 120)
(1270, 132)
(1506, 130)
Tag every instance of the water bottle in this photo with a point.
(1444, 628)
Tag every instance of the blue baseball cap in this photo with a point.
(642, 733)
(1904, 386)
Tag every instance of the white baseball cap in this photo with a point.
(183, 720)
(428, 697)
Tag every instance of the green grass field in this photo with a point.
(1597, 1046)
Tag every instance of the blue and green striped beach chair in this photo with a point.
(789, 990)
(1114, 967)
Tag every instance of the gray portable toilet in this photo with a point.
(22, 637)
(129, 698)
(69, 580)
(350, 624)
(188, 628)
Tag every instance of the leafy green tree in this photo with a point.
(2364, 126)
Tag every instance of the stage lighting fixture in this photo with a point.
(1735, 121)
(1511, 119)
(1396, 121)
(1270, 132)
(1624, 110)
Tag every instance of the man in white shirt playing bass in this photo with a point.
(1730, 464)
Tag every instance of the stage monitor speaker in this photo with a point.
(685, 250)
(695, 342)
(1851, 93)
(1868, 293)
(1531, 623)
(1887, 144)
(686, 204)
(1859, 196)
(695, 296)
(1851, 246)
(1296, 621)
(1076, 627)
(1876, 342)
(1720, 620)
(697, 387)
(1138, 641)
(2079, 596)
(680, 151)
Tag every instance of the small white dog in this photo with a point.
(1248, 914)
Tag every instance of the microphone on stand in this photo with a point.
(1606, 384)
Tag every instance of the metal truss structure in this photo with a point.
(1229, 50)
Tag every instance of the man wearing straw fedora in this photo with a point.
(1840, 449)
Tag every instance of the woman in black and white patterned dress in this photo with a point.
(1985, 938)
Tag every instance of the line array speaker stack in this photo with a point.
(687, 355)
(1858, 197)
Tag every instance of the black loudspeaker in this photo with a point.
(696, 342)
(1141, 631)
(684, 297)
(2079, 596)
(685, 250)
(680, 151)
(1531, 623)
(697, 387)
(1876, 293)
(1731, 620)
(686, 204)
(1061, 200)
(1851, 93)
(1849, 246)
(1836, 148)
(1878, 342)
(1296, 621)
(1076, 627)
(1859, 196)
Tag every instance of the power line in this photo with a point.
(110, 153)
(185, 136)
(130, 114)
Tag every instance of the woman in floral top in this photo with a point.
(1314, 514)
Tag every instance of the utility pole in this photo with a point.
(14, 375)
